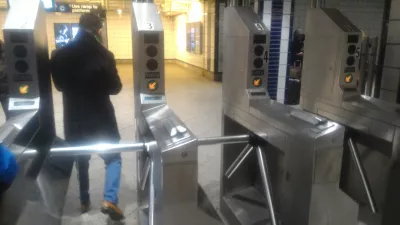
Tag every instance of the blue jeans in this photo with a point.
(113, 176)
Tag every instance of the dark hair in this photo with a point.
(91, 21)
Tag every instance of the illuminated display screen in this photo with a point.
(352, 39)
(65, 33)
(62, 34)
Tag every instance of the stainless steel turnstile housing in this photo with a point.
(176, 189)
(329, 88)
(303, 151)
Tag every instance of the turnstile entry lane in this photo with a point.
(330, 89)
(37, 194)
(156, 121)
(291, 174)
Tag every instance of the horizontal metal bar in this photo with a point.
(224, 140)
(22, 153)
(97, 149)
(117, 148)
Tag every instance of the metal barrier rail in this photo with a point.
(153, 170)
(119, 148)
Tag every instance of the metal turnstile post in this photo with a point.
(156, 185)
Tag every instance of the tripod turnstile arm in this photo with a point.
(224, 140)
(262, 163)
(364, 178)
(156, 185)
(239, 161)
(145, 173)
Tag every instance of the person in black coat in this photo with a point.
(297, 48)
(85, 72)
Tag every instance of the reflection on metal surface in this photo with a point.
(97, 149)
(364, 178)
(12, 127)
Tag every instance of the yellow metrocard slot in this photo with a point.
(348, 78)
(24, 89)
(152, 85)
(257, 82)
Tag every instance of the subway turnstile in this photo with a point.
(370, 171)
(289, 171)
(37, 195)
(176, 146)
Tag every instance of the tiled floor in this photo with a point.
(196, 100)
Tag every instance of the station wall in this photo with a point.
(366, 14)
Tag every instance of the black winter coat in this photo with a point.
(86, 73)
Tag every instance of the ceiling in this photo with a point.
(173, 7)
(168, 7)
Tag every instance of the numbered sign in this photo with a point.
(150, 26)
(358, 53)
(259, 26)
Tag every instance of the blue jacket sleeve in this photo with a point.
(8, 166)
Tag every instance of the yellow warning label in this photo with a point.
(152, 85)
(348, 78)
(24, 89)
(257, 82)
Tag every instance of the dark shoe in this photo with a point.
(112, 211)
(86, 207)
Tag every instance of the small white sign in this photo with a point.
(259, 26)
(152, 99)
(23, 103)
(150, 26)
